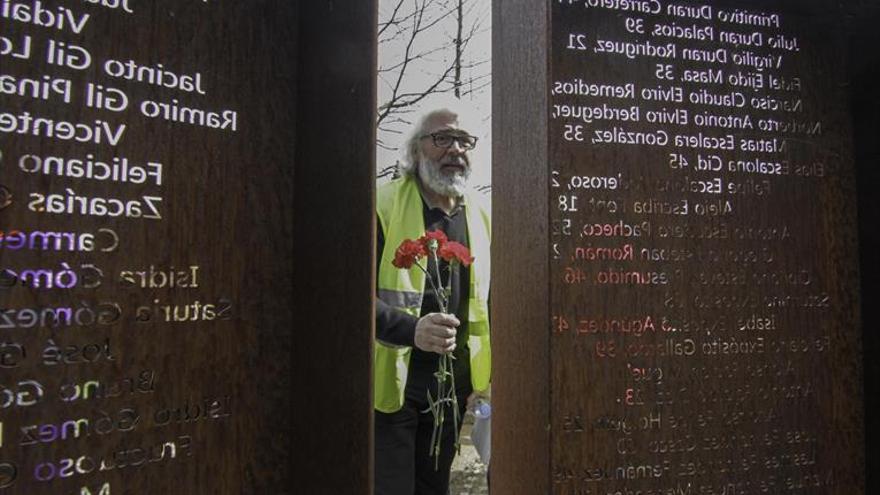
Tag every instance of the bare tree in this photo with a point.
(459, 42)
(424, 46)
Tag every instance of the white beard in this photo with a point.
(451, 186)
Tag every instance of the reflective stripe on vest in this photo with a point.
(399, 207)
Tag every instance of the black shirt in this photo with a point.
(398, 328)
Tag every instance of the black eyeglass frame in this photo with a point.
(466, 141)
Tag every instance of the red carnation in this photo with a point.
(454, 251)
(434, 235)
(437, 245)
(408, 253)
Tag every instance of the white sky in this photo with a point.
(432, 64)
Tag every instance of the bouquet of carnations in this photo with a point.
(436, 245)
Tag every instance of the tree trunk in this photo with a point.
(458, 49)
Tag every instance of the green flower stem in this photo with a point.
(450, 358)
(445, 370)
(444, 303)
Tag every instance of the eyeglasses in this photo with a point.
(444, 140)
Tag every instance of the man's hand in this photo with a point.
(435, 332)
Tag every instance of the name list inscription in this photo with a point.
(87, 181)
(691, 303)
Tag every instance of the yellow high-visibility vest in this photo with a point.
(399, 207)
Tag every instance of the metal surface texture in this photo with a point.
(704, 333)
(704, 276)
(333, 256)
(520, 296)
(148, 294)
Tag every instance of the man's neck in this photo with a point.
(437, 200)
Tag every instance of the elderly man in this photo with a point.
(411, 333)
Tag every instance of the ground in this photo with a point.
(468, 473)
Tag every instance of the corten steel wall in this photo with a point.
(520, 299)
(679, 327)
(173, 374)
(333, 253)
(864, 70)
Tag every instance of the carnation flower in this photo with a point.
(437, 245)
(408, 253)
(455, 252)
(434, 239)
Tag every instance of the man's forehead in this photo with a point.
(443, 121)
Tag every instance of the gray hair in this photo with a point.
(439, 105)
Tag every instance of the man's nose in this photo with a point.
(456, 146)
